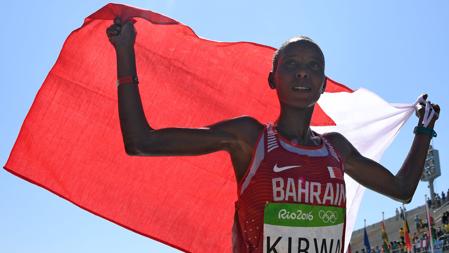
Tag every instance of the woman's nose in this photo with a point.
(302, 73)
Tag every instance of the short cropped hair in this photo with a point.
(290, 41)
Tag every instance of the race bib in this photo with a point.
(295, 228)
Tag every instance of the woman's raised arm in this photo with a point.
(373, 175)
(233, 135)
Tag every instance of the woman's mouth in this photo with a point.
(301, 88)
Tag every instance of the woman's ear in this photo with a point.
(271, 80)
(323, 87)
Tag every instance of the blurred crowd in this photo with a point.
(438, 200)
(422, 240)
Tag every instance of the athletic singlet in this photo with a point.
(291, 199)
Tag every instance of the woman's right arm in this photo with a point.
(237, 136)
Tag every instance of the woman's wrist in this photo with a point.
(126, 63)
(128, 80)
(424, 131)
(124, 49)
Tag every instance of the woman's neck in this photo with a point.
(294, 124)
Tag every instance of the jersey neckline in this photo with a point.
(297, 145)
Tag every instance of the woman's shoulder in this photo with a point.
(243, 123)
(248, 121)
(341, 144)
(244, 128)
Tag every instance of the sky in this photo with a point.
(397, 49)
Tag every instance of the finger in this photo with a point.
(115, 27)
(111, 31)
(422, 99)
(436, 107)
(437, 114)
(117, 20)
(128, 25)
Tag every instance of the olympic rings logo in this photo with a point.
(328, 216)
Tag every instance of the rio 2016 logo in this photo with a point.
(283, 214)
(328, 216)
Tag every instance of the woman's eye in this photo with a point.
(290, 63)
(315, 66)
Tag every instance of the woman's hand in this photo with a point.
(427, 119)
(121, 36)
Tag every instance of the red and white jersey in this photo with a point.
(291, 199)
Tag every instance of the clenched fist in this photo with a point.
(121, 35)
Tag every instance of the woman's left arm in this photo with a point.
(373, 175)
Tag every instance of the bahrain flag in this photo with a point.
(70, 142)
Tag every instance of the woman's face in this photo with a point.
(299, 76)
